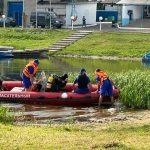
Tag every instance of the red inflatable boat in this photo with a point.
(13, 93)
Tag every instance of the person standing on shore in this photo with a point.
(28, 74)
(104, 85)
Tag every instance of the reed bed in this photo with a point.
(135, 88)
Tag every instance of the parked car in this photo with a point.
(9, 22)
(43, 19)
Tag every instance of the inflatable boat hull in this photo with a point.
(52, 98)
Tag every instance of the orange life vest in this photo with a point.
(26, 70)
(102, 75)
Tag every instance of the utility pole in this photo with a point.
(23, 15)
(36, 15)
(50, 17)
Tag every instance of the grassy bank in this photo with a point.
(116, 135)
(110, 44)
(95, 44)
(31, 39)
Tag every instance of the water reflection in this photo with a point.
(13, 68)
(146, 64)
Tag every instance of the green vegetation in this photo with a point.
(76, 136)
(134, 85)
(110, 44)
(5, 116)
(95, 44)
(31, 39)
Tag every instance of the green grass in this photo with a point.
(5, 116)
(76, 136)
(31, 39)
(95, 44)
(110, 44)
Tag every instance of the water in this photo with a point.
(11, 69)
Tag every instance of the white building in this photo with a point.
(133, 10)
(82, 9)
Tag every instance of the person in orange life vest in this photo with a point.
(28, 74)
(104, 85)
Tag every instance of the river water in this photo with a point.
(11, 69)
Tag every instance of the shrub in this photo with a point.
(5, 116)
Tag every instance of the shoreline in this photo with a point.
(135, 116)
(101, 57)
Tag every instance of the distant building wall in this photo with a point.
(131, 13)
(30, 6)
(82, 9)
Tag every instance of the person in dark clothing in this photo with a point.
(83, 82)
(58, 83)
(63, 81)
(83, 21)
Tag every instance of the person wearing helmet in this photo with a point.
(28, 74)
(83, 82)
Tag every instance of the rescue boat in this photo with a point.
(146, 58)
(13, 92)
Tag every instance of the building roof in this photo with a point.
(109, 1)
(134, 2)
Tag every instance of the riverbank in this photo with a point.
(130, 45)
(100, 57)
(130, 132)
(106, 45)
(31, 39)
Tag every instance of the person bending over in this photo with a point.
(104, 85)
(28, 74)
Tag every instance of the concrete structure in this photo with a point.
(134, 10)
(82, 9)
(62, 8)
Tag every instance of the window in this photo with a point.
(43, 2)
(100, 6)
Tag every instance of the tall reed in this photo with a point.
(135, 88)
